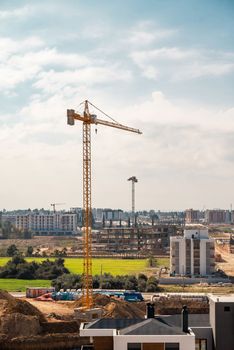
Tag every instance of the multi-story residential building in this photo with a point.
(217, 216)
(192, 216)
(48, 224)
(192, 254)
(9, 218)
(112, 214)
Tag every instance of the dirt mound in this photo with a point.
(98, 300)
(101, 300)
(18, 317)
(115, 307)
(11, 305)
(19, 325)
(124, 309)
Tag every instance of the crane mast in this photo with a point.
(87, 284)
(88, 119)
(134, 180)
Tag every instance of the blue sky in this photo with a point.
(165, 67)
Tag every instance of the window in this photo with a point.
(201, 344)
(134, 346)
(226, 308)
(172, 346)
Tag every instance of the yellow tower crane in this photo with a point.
(88, 119)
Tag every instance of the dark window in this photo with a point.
(172, 346)
(134, 346)
(227, 308)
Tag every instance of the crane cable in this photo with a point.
(108, 116)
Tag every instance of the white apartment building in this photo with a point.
(192, 254)
(48, 224)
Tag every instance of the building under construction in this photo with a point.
(141, 241)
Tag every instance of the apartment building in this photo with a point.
(217, 216)
(192, 216)
(48, 223)
(192, 254)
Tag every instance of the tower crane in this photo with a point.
(88, 119)
(134, 180)
(54, 206)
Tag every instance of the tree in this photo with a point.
(59, 253)
(19, 268)
(7, 228)
(141, 276)
(37, 253)
(152, 284)
(29, 251)
(131, 283)
(64, 252)
(152, 262)
(12, 250)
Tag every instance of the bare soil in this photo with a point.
(47, 244)
(227, 265)
(63, 310)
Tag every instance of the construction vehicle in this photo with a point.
(88, 119)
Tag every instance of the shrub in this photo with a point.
(12, 250)
(19, 268)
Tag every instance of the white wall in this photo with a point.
(203, 256)
(197, 233)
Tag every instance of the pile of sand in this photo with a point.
(11, 305)
(116, 308)
(18, 317)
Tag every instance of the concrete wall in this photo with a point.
(181, 280)
(224, 322)
(204, 333)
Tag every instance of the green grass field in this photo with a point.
(14, 285)
(75, 265)
(113, 266)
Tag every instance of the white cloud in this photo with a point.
(143, 37)
(178, 141)
(53, 81)
(180, 64)
(9, 46)
(30, 60)
(198, 70)
(15, 13)
(147, 33)
(165, 53)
